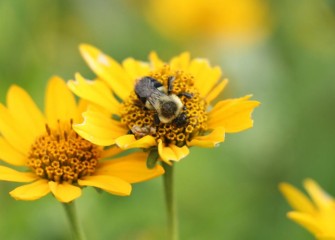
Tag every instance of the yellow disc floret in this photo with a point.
(61, 155)
(141, 121)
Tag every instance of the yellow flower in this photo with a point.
(130, 124)
(182, 19)
(58, 160)
(316, 215)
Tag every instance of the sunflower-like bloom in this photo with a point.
(57, 158)
(177, 19)
(133, 124)
(316, 215)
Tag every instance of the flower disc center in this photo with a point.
(141, 120)
(61, 155)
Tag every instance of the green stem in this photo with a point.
(71, 213)
(170, 203)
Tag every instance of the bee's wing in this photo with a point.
(142, 90)
(145, 86)
(155, 99)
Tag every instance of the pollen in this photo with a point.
(61, 155)
(141, 120)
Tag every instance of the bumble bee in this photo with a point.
(168, 106)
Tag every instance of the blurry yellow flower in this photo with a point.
(57, 159)
(133, 126)
(246, 19)
(316, 215)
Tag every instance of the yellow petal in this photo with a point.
(172, 152)
(82, 107)
(305, 220)
(180, 152)
(155, 61)
(27, 117)
(8, 174)
(129, 141)
(31, 191)
(297, 199)
(109, 184)
(11, 155)
(216, 91)
(135, 69)
(112, 151)
(95, 91)
(99, 129)
(232, 114)
(108, 69)
(210, 140)
(131, 168)
(60, 104)
(9, 130)
(324, 237)
(64, 192)
(319, 196)
(180, 62)
(205, 75)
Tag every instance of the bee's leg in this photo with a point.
(186, 94)
(180, 121)
(170, 81)
(156, 119)
(129, 132)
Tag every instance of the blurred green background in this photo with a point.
(230, 192)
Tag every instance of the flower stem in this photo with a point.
(170, 203)
(71, 213)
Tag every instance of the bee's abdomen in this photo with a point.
(168, 109)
